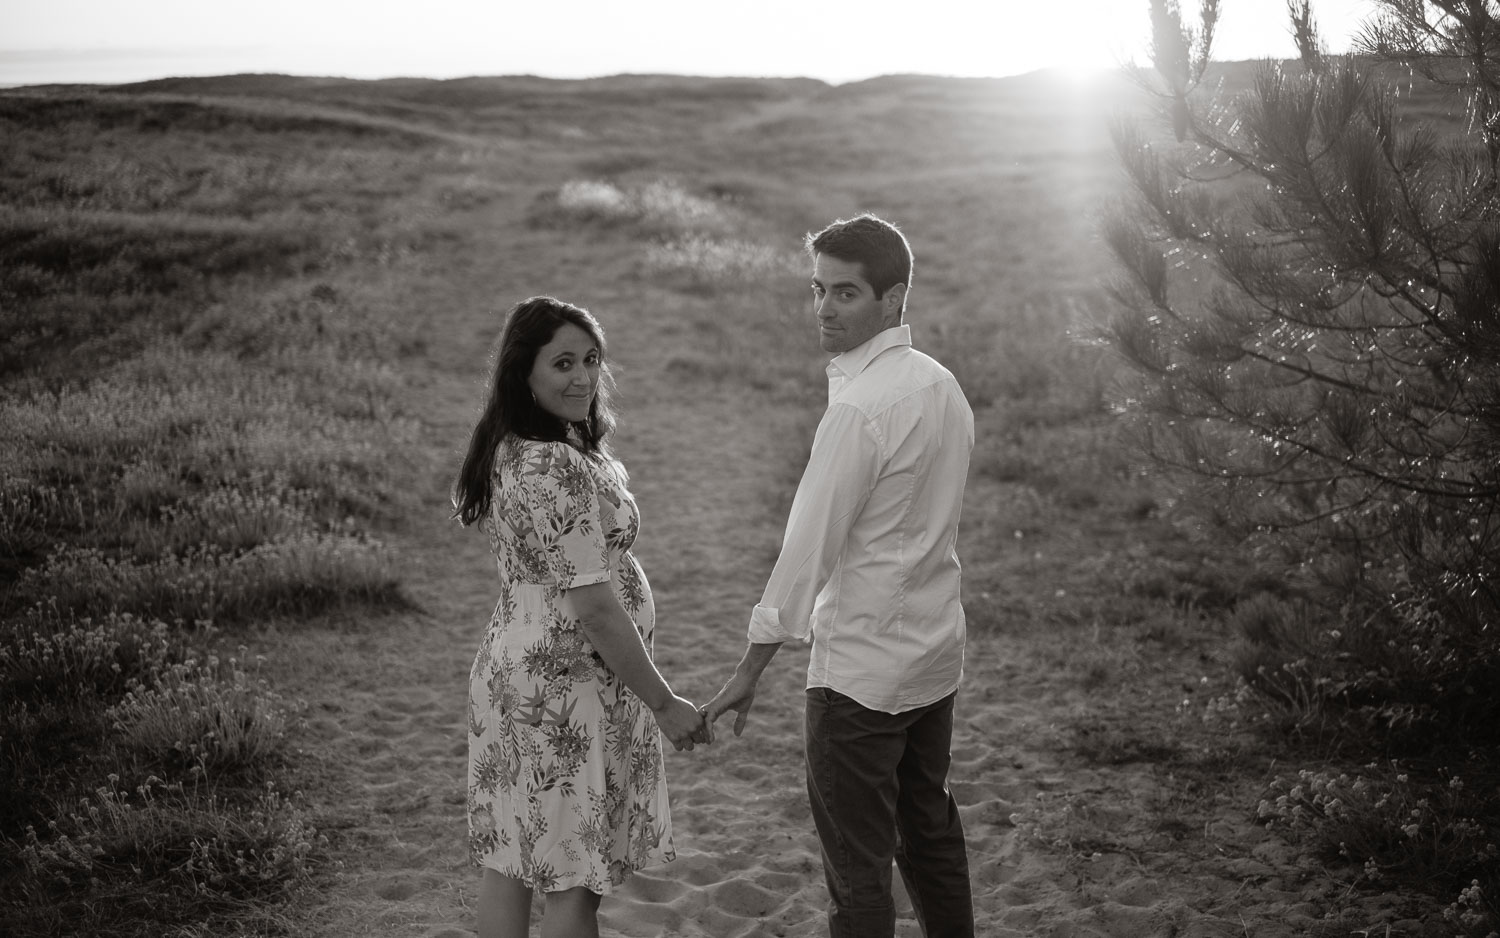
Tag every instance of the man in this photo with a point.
(869, 573)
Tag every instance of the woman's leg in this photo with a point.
(571, 913)
(504, 906)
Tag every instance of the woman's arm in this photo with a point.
(609, 629)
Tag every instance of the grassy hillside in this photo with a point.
(220, 302)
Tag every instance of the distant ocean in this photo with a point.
(113, 66)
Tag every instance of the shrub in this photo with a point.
(58, 675)
(179, 851)
(47, 655)
(210, 716)
(43, 745)
(232, 519)
(1394, 684)
(1476, 911)
(1402, 829)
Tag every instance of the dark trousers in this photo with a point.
(878, 785)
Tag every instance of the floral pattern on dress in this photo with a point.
(566, 778)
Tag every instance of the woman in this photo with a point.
(566, 787)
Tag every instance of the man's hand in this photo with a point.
(737, 694)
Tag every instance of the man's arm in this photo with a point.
(835, 486)
(840, 473)
(738, 693)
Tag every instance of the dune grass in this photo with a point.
(200, 432)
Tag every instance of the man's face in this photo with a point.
(848, 312)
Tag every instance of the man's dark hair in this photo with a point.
(875, 244)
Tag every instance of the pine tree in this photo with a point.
(1311, 310)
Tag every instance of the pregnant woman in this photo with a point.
(566, 789)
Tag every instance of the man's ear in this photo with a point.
(895, 301)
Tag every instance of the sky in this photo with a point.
(114, 41)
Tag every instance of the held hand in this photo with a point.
(681, 723)
(737, 694)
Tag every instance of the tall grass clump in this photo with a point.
(59, 674)
(211, 716)
(163, 856)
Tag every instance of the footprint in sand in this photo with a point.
(648, 888)
(749, 772)
(744, 898)
(698, 869)
(639, 920)
(782, 883)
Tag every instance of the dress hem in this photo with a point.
(560, 885)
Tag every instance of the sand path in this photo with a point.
(713, 477)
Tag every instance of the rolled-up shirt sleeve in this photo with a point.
(840, 475)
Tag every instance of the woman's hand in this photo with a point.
(681, 722)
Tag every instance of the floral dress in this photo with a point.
(566, 781)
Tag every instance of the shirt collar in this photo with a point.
(851, 363)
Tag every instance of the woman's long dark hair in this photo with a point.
(512, 411)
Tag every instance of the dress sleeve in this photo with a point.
(562, 498)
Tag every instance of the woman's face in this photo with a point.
(565, 374)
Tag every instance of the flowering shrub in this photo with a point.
(1476, 912)
(175, 836)
(1397, 680)
(211, 716)
(234, 518)
(46, 655)
(1399, 828)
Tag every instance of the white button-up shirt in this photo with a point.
(868, 567)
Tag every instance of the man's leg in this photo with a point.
(852, 754)
(932, 856)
